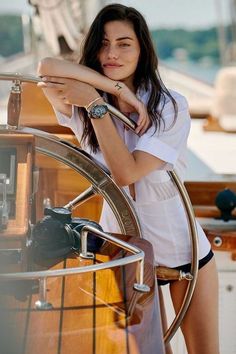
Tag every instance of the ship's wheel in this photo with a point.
(101, 183)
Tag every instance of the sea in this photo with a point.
(205, 71)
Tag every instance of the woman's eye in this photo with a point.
(124, 45)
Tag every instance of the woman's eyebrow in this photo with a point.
(119, 39)
(122, 38)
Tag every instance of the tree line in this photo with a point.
(196, 43)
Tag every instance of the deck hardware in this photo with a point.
(42, 303)
(185, 276)
(217, 241)
(229, 288)
(143, 288)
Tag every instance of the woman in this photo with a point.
(119, 65)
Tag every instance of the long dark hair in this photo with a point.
(146, 74)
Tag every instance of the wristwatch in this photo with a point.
(98, 111)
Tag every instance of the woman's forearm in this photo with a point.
(62, 68)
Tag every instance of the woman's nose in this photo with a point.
(112, 53)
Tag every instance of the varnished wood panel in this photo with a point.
(35, 110)
(228, 240)
(204, 193)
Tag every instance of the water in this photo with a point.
(205, 71)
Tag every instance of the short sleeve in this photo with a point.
(168, 142)
(73, 122)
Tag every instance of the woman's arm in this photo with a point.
(55, 97)
(52, 69)
(126, 167)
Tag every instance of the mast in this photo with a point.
(221, 32)
(233, 30)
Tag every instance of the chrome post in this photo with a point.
(185, 276)
(140, 286)
(42, 303)
(84, 250)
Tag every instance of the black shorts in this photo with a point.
(187, 267)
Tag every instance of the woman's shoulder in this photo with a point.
(166, 99)
(180, 100)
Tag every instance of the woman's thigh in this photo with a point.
(200, 325)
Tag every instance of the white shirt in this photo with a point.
(158, 204)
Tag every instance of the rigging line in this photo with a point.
(233, 19)
(49, 7)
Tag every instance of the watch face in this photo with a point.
(98, 111)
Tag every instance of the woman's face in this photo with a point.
(120, 51)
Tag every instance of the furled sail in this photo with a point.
(63, 22)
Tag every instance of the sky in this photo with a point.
(160, 13)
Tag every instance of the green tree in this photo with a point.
(11, 35)
(198, 44)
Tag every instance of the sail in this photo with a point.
(64, 22)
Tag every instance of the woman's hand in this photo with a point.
(54, 96)
(126, 95)
(71, 91)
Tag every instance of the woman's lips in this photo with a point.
(112, 66)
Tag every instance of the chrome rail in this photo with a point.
(19, 77)
(129, 123)
(137, 256)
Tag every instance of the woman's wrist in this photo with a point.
(96, 100)
(118, 86)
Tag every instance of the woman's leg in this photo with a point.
(200, 325)
(168, 349)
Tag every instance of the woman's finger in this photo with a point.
(54, 79)
(143, 122)
(49, 84)
(144, 128)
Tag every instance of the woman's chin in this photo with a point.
(114, 77)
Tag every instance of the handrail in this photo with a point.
(138, 256)
(20, 77)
